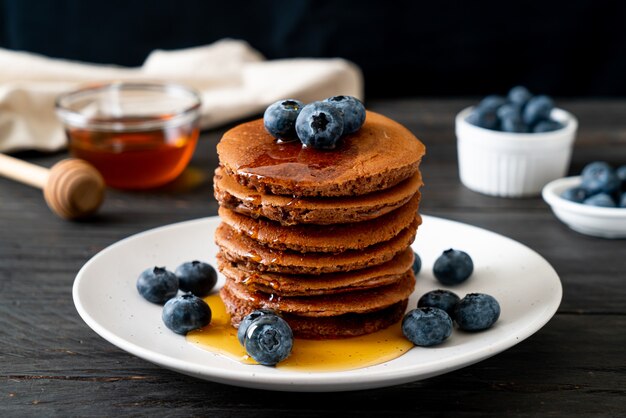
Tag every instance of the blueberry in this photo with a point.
(477, 311)
(196, 277)
(547, 126)
(621, 173)
(512, 124)
(483, 118)
(519, 95)
(353, 112)
(537, 109)
(575, 194)
(440, 298)
(268, 340)
(280, 117)
(601, 199)
(599, 177)
(453, 267)
(417, 263)
(248, 319)
(509, 111)
(510, 116)
(426, 326)
(491, 103)
(186, 313)
(320, 125)
(157, 284)
(622, 200)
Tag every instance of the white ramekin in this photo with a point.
(513, 164)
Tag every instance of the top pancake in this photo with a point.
(378, 156)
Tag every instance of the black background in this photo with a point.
(405, 48)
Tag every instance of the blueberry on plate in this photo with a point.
(575, 194)
(491, 103)
(600, 199)
(320, 125)
(196, 277)
(476, 312)
(248, 319)
(280, 117)
(157, 285)
(353, 112)
(426, 327)
(417, 263)
(440, 298)
(547, 126)
(186, 313)
(268, 340)
(537, 109)
(483, 118)
(519, 95)
(622, 200)
(599, 177)
(453, 267)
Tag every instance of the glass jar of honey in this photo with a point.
(138, 135)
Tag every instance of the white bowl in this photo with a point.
(508, 164)
(586, 219)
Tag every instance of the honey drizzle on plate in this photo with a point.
(307, 355)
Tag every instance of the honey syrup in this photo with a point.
(307, 355)
(135, 160)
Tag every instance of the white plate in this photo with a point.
(587, 219)
(527, 287)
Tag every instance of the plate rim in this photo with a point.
(312, 381)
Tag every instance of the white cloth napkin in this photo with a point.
(235, 82)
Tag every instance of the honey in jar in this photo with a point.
(135, 160)
(138, 135)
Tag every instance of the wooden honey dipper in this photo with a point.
(72, 188)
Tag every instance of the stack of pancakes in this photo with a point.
(322, 237)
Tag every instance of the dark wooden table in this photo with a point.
(51, 363)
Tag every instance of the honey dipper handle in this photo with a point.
(24, 172)
(72, 188)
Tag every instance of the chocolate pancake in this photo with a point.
(321, 211)
(249, 254)
(328, 327)
(379, 155)
(314, 285)
(360, 301)
(332, 238)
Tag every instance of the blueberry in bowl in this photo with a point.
(600, 177)
(512, 145)
(592, 203)
(519, 112)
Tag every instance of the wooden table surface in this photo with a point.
(52, 363)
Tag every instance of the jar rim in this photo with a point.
(77, 119)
